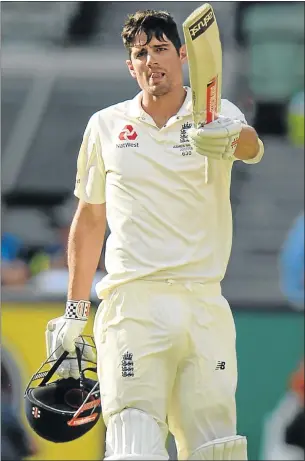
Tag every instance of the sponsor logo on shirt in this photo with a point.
(127, 144)
(128, 134)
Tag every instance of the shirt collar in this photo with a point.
(135, 109)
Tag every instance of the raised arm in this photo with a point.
(228, 138)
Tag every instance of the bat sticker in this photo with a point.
(202, 24)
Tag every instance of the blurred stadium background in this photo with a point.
(63, 61)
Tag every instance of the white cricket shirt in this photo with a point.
(168, 208)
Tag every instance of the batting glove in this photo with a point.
(63, 332)
(217, 140)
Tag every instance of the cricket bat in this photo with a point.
(204, 53)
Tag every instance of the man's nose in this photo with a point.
(151, 59)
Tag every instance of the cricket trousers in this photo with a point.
(168, 349)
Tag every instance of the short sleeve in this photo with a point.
(228, 109)
(91, 176)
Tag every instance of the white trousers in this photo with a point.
(169, 349)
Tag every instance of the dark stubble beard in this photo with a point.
(158, 90)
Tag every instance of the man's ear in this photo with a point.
(131, 68)
(183, 54)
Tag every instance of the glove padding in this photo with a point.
(61, 335)
(217, 140)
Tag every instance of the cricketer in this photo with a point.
(165, 335)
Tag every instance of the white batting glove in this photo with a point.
(217, 140)
(63, 332)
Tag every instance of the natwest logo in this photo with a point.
(128, 132)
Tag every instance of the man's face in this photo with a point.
(157, 67)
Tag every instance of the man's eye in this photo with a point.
(141, 53)
(161, 48)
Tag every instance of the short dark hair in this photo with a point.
(152, 23)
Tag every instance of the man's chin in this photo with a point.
(158, 90)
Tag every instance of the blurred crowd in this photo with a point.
(43, 265)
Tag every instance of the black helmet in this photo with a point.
(65, 409)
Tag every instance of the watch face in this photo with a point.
(82, 309)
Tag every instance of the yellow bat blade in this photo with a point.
(205, 63)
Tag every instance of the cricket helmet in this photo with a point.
(63, 410)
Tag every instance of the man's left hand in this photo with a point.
(217, 140)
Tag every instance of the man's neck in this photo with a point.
(162, 108)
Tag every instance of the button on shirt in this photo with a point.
(168, 208)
